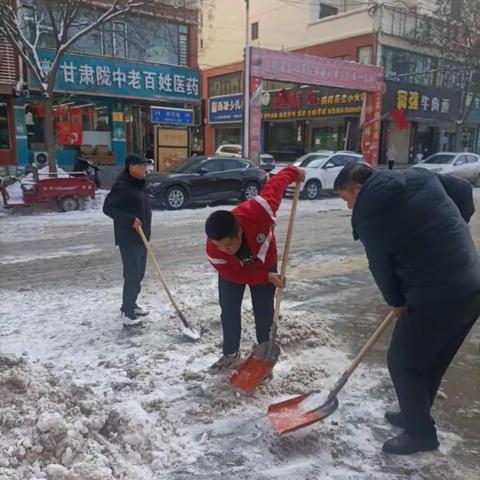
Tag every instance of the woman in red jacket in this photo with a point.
(241, 246)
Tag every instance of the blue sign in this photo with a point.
(225, 109)
(118, 78)
(173, 116)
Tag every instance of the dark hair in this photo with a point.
(353, 173)
(221, 224)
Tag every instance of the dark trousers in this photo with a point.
(134, 259)
(231, 296)
(423, 345)
(391, 163)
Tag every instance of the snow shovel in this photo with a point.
(187, 329)
(291, 415)
(260, 363)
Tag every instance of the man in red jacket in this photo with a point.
(241, 246)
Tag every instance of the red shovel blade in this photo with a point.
(256, 368)
(288, 416)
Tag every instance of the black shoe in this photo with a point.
(395, 419)
(406, 444)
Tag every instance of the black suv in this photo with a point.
(205, 180)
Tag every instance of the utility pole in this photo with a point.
(246, 84)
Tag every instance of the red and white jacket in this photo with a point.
(257, 219)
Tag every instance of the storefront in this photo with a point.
(225, 116)
(430, 115)
(300, 120)
(103, 108)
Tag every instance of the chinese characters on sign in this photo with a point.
(225, 109)
(421, 101)
(312, 102)
(103, 76)
(174, 116)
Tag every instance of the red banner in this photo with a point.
(69, 133)
(371, 128)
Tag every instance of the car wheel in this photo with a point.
(175, 198)
(69, 204)
(251, 190)
(312, 190)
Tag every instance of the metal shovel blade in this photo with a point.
(256, 368)
(288, 416)
(191, 333)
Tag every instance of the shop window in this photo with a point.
(255, 31)
(4, 128)
(225, 136)
(365, 55)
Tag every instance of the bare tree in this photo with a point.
(457, 42)
(64, 20)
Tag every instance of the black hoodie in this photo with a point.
(413, 225)
(126, 201)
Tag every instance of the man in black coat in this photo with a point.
(129, 206)
(413, 225)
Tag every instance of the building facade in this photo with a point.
(130, 86)
(378, 34)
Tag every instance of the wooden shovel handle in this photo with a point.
(286, 251)
(159, 271)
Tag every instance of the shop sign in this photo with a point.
(122, 79)
(311, 102)
(311, 70)
(172, 116)
(423, 102)
(225, 109)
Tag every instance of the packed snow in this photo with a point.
(83, 399)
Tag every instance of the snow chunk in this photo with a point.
(51, 422)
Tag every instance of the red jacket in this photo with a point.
(257, 219)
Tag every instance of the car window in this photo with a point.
(212, 166)
(233, 165)
(472, 159)
(461, 160)
(316, 163)
(337, 161)
(351, 158)
(440, 158)
(306, 162)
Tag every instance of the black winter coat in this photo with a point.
(126, 201)
(413, 225)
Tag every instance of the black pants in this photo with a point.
(423, 345)
(391, 163)
(231, 296)
(134, 259)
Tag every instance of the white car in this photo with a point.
(267, 162)
(229, 150)
(462, 165)
(321, 170)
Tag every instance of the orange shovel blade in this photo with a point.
(251, 374)
(288, 416)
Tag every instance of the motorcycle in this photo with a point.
(86, 167)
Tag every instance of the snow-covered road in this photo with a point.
(86, 400)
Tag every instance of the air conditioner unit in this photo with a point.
(40, 158)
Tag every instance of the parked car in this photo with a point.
(267, 162)
(229, 150)
(205, 180)
(463, 165)
(321, 170)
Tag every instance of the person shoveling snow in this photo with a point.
(241, 246)
(129, 206)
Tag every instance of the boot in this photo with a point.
(395, 419)
(131, 320)
(406, 444)
(140, 311)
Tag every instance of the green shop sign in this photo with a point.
(118, 78)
